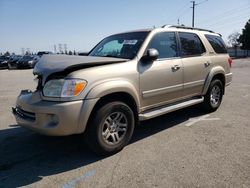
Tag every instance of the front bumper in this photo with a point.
(52, 118)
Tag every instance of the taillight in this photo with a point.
(230, 61)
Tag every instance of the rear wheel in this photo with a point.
(110, 128)
(213, 97)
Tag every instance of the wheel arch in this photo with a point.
(116, 96)
(215, 73)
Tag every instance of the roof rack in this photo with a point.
(185, 27)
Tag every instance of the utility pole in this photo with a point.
(193, 7)
(178, 21)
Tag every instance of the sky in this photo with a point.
(41, 24)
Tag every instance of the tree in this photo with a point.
(244, 38)
(233, 40)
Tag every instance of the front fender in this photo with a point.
(114, 86)
(212, 73)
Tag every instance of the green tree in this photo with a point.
(244, 38)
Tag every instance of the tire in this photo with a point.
(213, 97)
(110, 128)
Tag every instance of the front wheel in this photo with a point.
(110, 128)
(213, 97)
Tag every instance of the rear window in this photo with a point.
(191, 44)
(217, 43)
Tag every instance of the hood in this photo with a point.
(50, 64)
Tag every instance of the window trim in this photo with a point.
(187, 56)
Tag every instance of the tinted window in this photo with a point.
(191, 44)
(165, 43)
(217, 44)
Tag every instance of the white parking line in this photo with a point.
(192, 121)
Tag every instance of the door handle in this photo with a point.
(207, 64)
(175, 67)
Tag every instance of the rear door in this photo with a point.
(196, 63)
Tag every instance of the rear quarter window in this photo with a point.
(217, 43)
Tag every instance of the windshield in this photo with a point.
(124, 45)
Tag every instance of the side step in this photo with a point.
(169, 108)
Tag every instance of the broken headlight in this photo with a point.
(64, 87)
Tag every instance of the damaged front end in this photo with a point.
(53, 108)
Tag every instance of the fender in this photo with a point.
(212, 73)
(114, 86)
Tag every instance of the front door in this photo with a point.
(161, 81)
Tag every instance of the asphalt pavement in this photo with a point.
(186, 148)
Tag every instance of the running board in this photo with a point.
(169, 108)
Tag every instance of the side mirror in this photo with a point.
(151, 55)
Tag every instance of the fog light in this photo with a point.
(54, 119)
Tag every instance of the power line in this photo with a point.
(227, 12)
(230, 23)
(181, 11)
(193, 7)
(226, 18)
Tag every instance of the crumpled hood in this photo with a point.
(50, 64)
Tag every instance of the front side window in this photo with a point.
(217, 43)
(191, 45)
(165, 43)
(124, 45)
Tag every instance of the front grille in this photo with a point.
(24, 114)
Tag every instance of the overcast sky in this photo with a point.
(80, 24)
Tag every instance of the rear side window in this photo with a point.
(217, 43)
(165, 43)
(191, 44)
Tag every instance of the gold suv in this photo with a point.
(126, 78)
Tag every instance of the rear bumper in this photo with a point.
(52, 118)
(228, 78)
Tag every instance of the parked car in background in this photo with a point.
(27, 61)
(43, 52)
(3, 62)
(13, 60)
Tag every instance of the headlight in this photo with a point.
(30, 62)
(64, 87)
